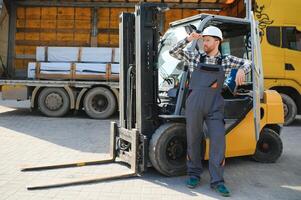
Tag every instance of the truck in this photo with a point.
(280, 29)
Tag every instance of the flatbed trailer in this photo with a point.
(55, 98)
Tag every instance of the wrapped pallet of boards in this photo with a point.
(73, 71)
(77, 54)
(75, 63)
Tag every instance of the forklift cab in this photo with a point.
(237, 42)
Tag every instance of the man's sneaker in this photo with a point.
(221, 189)
(192, 182)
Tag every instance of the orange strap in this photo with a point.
(108, 71)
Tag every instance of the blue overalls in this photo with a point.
(206, 104)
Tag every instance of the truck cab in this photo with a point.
(280, 30)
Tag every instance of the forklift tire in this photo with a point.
(290, 109)
(54, 102)
(167, 149)
(99, 103)
(269, 146)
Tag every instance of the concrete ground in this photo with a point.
(27, 138)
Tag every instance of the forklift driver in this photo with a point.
(205, 103)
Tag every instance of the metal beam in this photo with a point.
(11, 39)
(114, 4)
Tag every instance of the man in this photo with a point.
(205, 103)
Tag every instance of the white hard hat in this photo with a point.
(213, 31)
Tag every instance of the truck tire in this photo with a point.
(269, 146)
(54, 102)
(100, 103)
(167, 149)
(290, 109)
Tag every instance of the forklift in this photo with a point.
(151, 131)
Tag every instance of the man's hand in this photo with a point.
(240, 77)
(194, 36)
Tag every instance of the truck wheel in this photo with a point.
(269, 146)
(100, 103)
(54, 102)
(167, 149)
(290, 109)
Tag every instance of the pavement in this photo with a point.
(28, 138)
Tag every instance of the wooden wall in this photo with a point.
(74, 26)
(65, 26)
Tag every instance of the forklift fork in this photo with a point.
(139, 38)
(118, 154)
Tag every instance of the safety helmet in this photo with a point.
(213, 31)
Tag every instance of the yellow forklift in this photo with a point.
(151, 130)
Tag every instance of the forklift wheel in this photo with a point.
(269, 146)
(167, 149)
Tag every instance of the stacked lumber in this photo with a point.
(75, 63)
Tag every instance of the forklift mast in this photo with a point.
(139, 39)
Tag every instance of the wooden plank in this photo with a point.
(114, 39)
(52, 43)
(30, 50)
(83, 24)
(189, 13)
(49, 13)
(154, 1)
(48, 24)
(54, 76)
(33, 13)
(48, 36)
(191, 1)
(20, 36)
(83, 13)
(65, 13)
(131, 10)
(20, 23)
(65, 36)
(117, 0)
(82, 37)
(103, 18)
(103, 39)
(32, 36)
(59, 30)
(20, 13)
(65, 23)
(208, 1)
(19, 49)
(33, 24)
